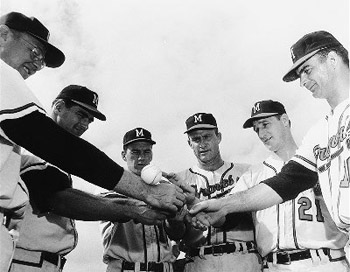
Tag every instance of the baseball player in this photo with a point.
(131, 246)
(223, 249)
(322, 64)
(24, 50)
(299, 234)
(27, 53)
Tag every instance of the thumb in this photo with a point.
(201, 206)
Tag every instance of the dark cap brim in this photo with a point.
(292, 74)
(249, 122)
(200, 126)
(53, 57)
(91, 109)
(139, 140)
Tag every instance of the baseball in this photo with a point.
(151, 174)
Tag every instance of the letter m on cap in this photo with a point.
(256, 107)
(139, 133)
(198, 118)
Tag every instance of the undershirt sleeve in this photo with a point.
(292, 180)
(43, 183)
(43, 137)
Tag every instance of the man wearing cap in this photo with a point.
(25, 49)
(220, 249)
(322, 64)
(299, 234)
(48, 230)
(132, 246)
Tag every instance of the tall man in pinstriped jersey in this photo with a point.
(224, 249)
(128, 244)
(298, 235)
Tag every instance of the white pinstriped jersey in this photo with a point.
(16, 101)
(325, 150)
(44, 231)
(216, 184)
(135, 242)
(301, 223)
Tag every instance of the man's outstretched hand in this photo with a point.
(207, 213)
(165, 196)
(188, 190)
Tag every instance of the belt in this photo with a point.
(53, 258)
(150, 266)
(243, 247)
(283, 257)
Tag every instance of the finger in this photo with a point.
(203, 219)
(165, 174)
(187, 188)
(197, 224)
(179, 203)
(181, 197)
(201, 206)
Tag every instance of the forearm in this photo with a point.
(131, 185)
(257, 198)
(292, 180)
(80, 205)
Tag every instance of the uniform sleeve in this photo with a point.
(44, 138)
(293, 179)
(305, 153)
(242, 184)
(43, 183)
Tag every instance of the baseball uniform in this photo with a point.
(324, 153)
(301, 225)
(226, 249)
(328, 155)
(16, 101)
(45, 237)
(131, 246)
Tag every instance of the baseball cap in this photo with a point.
(138, 135)
(200, 121)
(306, 47)
(18, 21)
(83, 97)
(264, 109)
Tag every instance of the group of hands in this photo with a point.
(176, 200)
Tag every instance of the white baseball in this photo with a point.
(151, 174)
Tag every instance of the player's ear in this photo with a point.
(219, 136)
(189, 142)
(285, 119)
(333, 58)
(123, 153)
(58, 106)
(4, 33)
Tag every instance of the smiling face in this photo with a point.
(272, 131)
(205, 145)
(317, 75)
(74, 119)
(137, 155)
(21, 51)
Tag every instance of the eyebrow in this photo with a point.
(301, 70)
(85, 114)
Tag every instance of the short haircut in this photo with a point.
(66, 101)
(339, 50)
